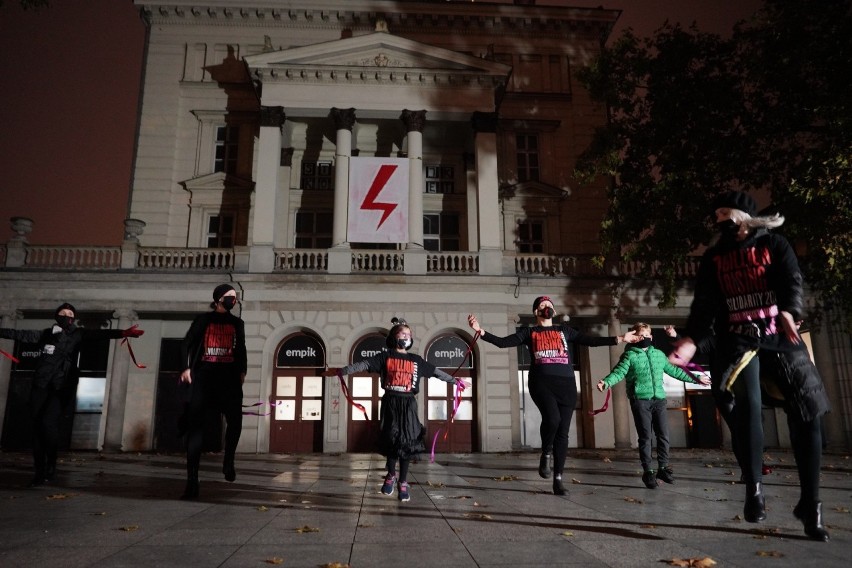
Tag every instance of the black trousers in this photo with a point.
(555, 398)
(743, 412)
(212, 393)
(46, 406)
(650, 419)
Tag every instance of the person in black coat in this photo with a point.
(55, 380)
(214, 352)
(749, 292)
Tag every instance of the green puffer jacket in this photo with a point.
(644, 372)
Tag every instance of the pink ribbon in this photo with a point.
(457, 396)
(348, 396)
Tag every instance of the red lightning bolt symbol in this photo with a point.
(370, 203)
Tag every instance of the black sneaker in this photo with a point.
(649, 478)
(665, 474)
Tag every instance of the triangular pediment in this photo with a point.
(532, 190)
(217, 181)
(375, 50)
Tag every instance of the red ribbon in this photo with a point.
(348, 396)
(126, 341)
(456, 399)
(605, 404)
(9, 356)
(256, 413)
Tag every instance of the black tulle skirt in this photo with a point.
(401, 434)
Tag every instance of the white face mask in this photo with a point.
(403, 342)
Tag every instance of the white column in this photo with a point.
(488, 204)
(339, 256)
(620, 405)
(414, 122)
(8, 345)
(344, 121)
(261, 253)
(116, 405)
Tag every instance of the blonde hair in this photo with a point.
(639, 326)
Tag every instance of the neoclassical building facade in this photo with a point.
(258, 121)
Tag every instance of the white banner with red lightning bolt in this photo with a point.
(378, 200)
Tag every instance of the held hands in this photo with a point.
(331, 372)
(601, 385)
(473, 323)
(462, 384)
(630, 337)
(132, 331)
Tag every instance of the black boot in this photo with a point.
(190, 493)
(545, 465)
(228, 469)
(810, 513)
(755, 504)
(558, 488)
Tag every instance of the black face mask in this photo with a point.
(547, 312)
(643, 343)
(728, 228)
(65, 322)
(228, 302)
(403, 343)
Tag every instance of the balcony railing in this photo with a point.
(294, 261)
(301, 260)
(191, 259)
(66, 257)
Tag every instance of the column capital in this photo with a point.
(414, 120)
(11, 314)
(344, 118)
(484, 122)
(125, 313)
(272, 116)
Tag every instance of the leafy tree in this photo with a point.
(692, 115)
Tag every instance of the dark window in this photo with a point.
(317, 175)
(225, 159)
(313, 229)
(441, 232)
(530, 236)
(220, 231)
(527, 155)
(440, 179)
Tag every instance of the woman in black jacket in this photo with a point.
(54, 384)
(214, 352)
(749, 290)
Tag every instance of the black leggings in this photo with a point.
(555, 398)
(745, 420)
(46, 405)
(403, 468)
(212, 393)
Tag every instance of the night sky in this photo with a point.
(71, 78)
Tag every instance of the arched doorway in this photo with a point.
(450, 352)
(367, 391)
(297, 395)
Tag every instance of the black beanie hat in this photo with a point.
(221, 290)
(539, 300)
(65, 306)
(736, 200)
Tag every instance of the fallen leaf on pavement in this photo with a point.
(335, 565)
(506, 478)
(274, 560)
(307, 529)
(770, 553)
(262, 508)
(567, 533)
(705, 562)
(575, 480)
(633, 500)
(129, 528)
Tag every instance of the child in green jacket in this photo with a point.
(643, 366)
